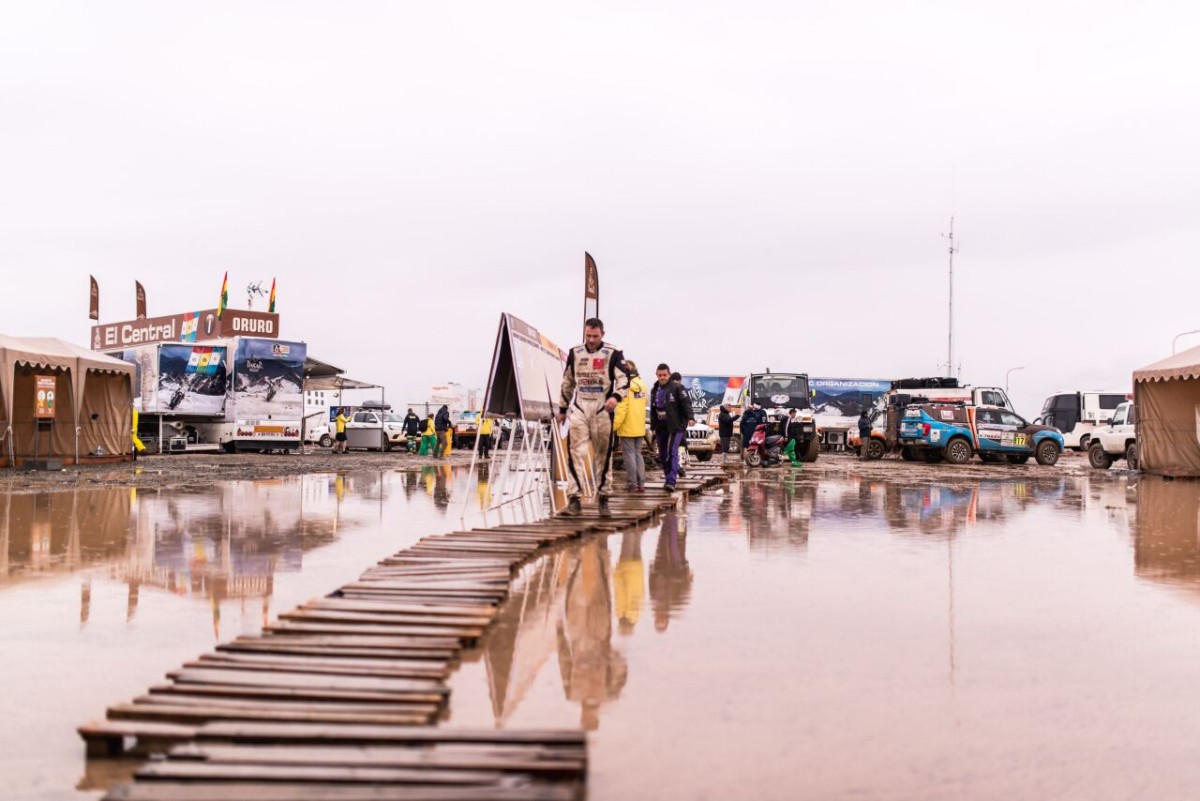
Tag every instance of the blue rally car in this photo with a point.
(958, 431)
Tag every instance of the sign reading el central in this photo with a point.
(190, 327)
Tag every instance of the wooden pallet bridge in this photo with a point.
(338, 700)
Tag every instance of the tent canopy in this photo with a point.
(1180, 365)
(323, 375)
(51, 353)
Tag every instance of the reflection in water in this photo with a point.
(1167, 532)
(211, 543)
(670, 575)
(629, 582)
(593, 672)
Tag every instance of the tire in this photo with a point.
(704, 457)
(933, 456)
(907, 454)
(992, 458)
(1018, 458)
(753, 458)
(735, 443)
(1131, 456)
(387, 444)
(1098, 458)
(326, 441)
(958, 451)
(812, 451)
(875, 449)
(229, 447)
(1085, 443)
(1047, 453)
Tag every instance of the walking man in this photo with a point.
(864, 434)
(412, 431)
(484, 435)
(725, 431)
(630, 425)
(442, 429)
(670, 413)
(343, 417)
(594, 382)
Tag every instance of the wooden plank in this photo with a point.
(292, 679)
(431, 644)
(312, 791)
(411, 669)
(312, 614)
(106, 738)
(401, 706)
(313, 734)
(523, 759)
(400, 607)
(194, 714)
(171, 693)
(225, 772)
(291, 627)
(294, 646)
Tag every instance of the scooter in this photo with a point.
(764, 450)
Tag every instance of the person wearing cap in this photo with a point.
(629, 423)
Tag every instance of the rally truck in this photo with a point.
(958, 431)
(1118, 440)
(777, 394)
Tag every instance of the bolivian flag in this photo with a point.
(271, 302)
(224, 296)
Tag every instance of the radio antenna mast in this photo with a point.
(950, 338)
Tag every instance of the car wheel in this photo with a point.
(229, 447)
(907, 454)
(1018, 458)
(1085, 443)
(1047, 452)
(326, 441)
(387, 444)
(735, 444)
(958, 451)
(754, 458)
(1131, 456)
(991, 458)
(811, 451)
(875, 449)
(703, 457)
(933, 456)
(1098, 458)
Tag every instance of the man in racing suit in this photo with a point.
(594, 382)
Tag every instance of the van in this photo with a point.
(1076, 413)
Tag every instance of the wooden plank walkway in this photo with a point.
(338, 699)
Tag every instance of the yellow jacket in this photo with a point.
(429, 431)
(485, 426)
(630, 418)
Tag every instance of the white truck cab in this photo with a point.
(1117, 440)
(1078, 412)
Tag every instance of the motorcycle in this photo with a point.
(764, 450)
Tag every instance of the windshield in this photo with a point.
(393, 418)
(780, 389)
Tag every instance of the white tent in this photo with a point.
(1167, 394)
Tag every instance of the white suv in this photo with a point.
(1117, 441)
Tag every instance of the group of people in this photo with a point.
(605, 399)
(429, 438)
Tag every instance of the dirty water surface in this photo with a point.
(833, 637)
(810, 634)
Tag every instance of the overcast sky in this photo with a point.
(761, 184)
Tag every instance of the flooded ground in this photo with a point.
(826, 638)
(102, 591)
(822, 634)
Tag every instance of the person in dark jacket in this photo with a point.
(864, 434)
(412, 431)
(725, 430)
(752, 418)
(670, 414)
(443, 429)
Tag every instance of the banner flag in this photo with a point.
(94, 307)
(141, 300)
(224, 296)
(591, 287)
(271, 302)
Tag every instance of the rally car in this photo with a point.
(959, 431)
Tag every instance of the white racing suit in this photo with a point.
(591, 378)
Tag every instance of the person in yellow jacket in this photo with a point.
(484, 435)
(427, 437)
(629, 424)
(138, 445)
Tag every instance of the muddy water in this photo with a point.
(103, 591)
(853, 638)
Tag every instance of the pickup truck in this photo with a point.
(957, 431)
(1118, 440)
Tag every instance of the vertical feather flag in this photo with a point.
(224, 296)
(94, 305)
(271, 302)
